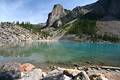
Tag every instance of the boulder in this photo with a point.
(69, 72)
(36, 74)
(98, 77)
(57, 75)
(26, 67)
(10, 71)
(54, 75)
(82, 76)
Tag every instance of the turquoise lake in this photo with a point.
(62, 52)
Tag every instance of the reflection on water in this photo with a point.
(24, 49)
(62, 52)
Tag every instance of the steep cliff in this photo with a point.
(54, 16)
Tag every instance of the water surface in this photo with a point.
(62, 52)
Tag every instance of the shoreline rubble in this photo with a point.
(27, 71)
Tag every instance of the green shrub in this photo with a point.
(45, 34)
(31, 27)
(36, 29)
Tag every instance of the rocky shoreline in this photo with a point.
(11, 33)
(27, 71)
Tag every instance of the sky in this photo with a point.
(34, 11)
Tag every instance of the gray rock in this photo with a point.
(11, 33)
(36, 74)
(82, 76)
(10, 71)
(98, 77)
(56, 75)
(9, 67)
(101, 8)
(54, 17)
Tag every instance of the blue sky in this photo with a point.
(35, 11)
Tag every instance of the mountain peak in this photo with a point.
(58, 6)
(57, 13)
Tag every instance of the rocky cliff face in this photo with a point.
(105, 9)
(105, 12)
(114, 8)
(102, 9)
(57, 13)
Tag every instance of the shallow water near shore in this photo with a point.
(62, 53)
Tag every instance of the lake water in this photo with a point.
(62, 52)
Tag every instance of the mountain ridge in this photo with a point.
(102, 9)
(101, 12)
